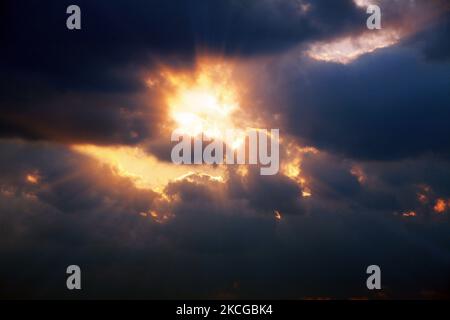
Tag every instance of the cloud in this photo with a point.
(386, 105)
(221, 241)
(380, 124)
(433, 42)
(48, 68)
(54, 77)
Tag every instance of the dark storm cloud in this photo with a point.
(434, 40)
(390, 187)
(53, 79)
(70, 211)
(115, 32)
(81, 211)
(267, 193)
(68, 181)
(72, 117)
(48, 70)
(389, 104)
(213, 247)
(252, 193)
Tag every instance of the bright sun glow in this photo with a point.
(201, 101)
(206, 103)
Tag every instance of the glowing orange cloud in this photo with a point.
(277, 215)
(440, 206)
(32, 178)
(291, 166)
(204, 100)
(409, 214)
(358, 173)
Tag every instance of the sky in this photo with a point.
(86, 176)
